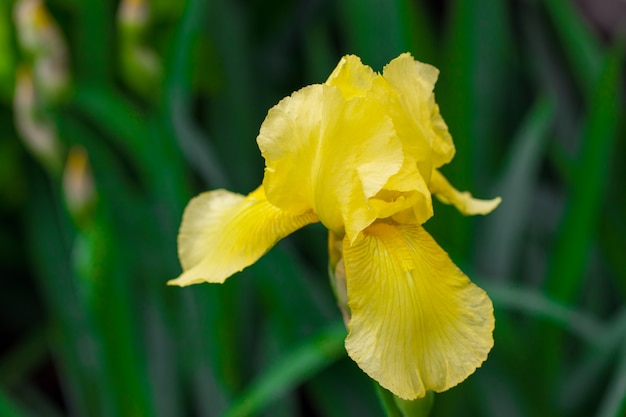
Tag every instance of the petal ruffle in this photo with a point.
(352, 77)
(405, 190)
(418, 323)
(414, 82)
(463, 201)
(328, 154)
(223, 232)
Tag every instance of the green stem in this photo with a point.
(387, 402)
(397, 407)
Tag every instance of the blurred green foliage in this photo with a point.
(167, 100)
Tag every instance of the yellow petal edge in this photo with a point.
(418, 323)
(463, 201)
(223, 232)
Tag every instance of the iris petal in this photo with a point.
(223, 232)
(463, 201)
(418, 323)
(413, 82)
(352, 77)
(406, 189)
(329, 155)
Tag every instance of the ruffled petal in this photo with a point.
(405, 190)
(463, 201)
(328, 154)
(223, 232)
(413, 82)
(352, 77)
(418, 323)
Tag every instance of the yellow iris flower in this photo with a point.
(360, 154)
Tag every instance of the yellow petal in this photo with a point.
(463, 201)
(418, 323)
(404, 190)
(351, 77)
(413, 82)
(328, 154)
(223, 232)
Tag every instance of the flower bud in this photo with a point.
(132, 16)
(140, 66)
(41, 39)
(78, 186)
(37, 131)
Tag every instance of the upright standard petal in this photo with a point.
(418, 323)
(463, 201)
(352, 77)
(413, 82)
(223, 232)
(328, 154)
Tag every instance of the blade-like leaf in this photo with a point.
(313, 355)
(504, 228)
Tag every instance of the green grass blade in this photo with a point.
(373, 31)
(582, 49)
(313, 355)
(570, 255)
(235, 119)
(124, 123)
(319, 56)
(7, 52)
(379, 31)
(582, 382)
(17, 363)
(499, 395)
(10, 407)
(536, 305)
(292, 295)
(93, 46)
(614, 401)
(199, 152)
(387, 402)
(73, 339)
(343, 390)
(478, 56)
(504, 228)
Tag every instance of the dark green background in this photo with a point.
(533, 96)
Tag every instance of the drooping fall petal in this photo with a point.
(329, 155)
(223, 232)
(463, 201)
(418, 323)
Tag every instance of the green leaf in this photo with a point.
(9, 407)
(582, 49)
(314, 354)
(570, 255)
(23, 359)
(477, 58)
(581, 383)
(379, 31)
(92, 40)
(614, 401)
(235, 119)
(198, 150)
(75, 345)
(419, 407)
(343, 390)
(7, 53)
(388, 402)
(537, 305)
(504, 229)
